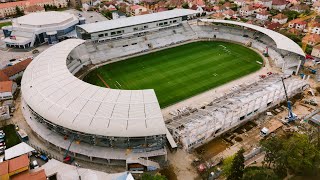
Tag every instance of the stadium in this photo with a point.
(121, 123)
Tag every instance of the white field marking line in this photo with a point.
(118, 84)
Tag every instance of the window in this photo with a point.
(113, 33)
(165, 23)
(160, 24)
(106, 34)
(145, 27)
(174, 21)
(135, 29)
(100, 35)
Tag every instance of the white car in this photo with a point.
(35, 164)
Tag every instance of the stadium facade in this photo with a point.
(40, 27)
(114, 125)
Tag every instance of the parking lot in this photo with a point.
(91, 16)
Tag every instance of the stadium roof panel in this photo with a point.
(44, 18)
(135, 20)
(49, 89)
(281, 41)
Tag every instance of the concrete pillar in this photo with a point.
(90, 158)
(298, 68)
(108, 161)
(74, 154)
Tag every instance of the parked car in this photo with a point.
(2, 135)
(34, 164)
(2, 143)
(44, 157)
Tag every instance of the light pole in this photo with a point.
(77, 165)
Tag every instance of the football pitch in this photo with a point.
(179, 72)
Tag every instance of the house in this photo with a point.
(240, 3)
(272, 26)
(37, 175)
(300, 8)
(218, 8)
(14, 166)
(294, 31)
(246, 11)
(297, 24)
(227, 5)
(34, 8)
(314, 28)
(316, 51)
(316, 7)
(228, 14)
(279, 18)
(9, 8)
(14, 72)
(197, 8)
(311, 39)
(118, 14)
(7, 89)
(263, 15)
(136, 10)
(218, 15)
(279, 4)
(265, 3)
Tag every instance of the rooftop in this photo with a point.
(15, 69)
(48, 88)
(135, 20)
(5, 86)
(18, 163)
(44, 18)
(39, 175)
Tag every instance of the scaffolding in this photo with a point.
(229, 111)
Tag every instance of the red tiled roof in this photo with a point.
(18, 163)
(311, 38)
(3, 76)
(280, 16)
(15, 69)
(279, 2)
(12, 4)
(5, 86)
(34, 8)
(4, 167)
(39, 175)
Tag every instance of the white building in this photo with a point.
(265, 3)
(263, 15)
(246, 11)
(279, 4)
(134, 25)
(316, 51)
(280, 18)
(38, 28)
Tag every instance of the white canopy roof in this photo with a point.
(135, 20)
(17, 150)
(281, 41)
(54, 93)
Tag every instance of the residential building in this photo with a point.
(137, 10)
(14, 166)
(33, 9)
(311, 39)
(271, 25)
(240, 2)
(298, 24)
(300, 8)
(279, 18)
(218, 15)
(9, 9)
(7, 89)
(14, 72)
(265, 3)
(263, 15)
(246, 11)
(314, 28)
(228, 14)
(316, 7)
(279, 4)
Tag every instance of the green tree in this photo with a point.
(19, 12)
(260, 173)
(291, 14)
(226, 165)
(147, 176)
(185, 5)
(237, 166)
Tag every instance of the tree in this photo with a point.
(261, 173)
(19, 12)
(291, 14)
(147, 176)
(226, 165)
(237, 167)
(185, 5)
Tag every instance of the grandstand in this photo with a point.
(116, 125)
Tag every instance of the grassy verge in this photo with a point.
(12, 138)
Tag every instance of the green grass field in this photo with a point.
(180, 72)
(5, 24)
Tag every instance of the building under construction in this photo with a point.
(229, 111)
